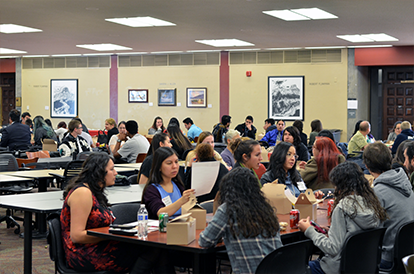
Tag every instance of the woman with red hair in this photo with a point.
(326, 156)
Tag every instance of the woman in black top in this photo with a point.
(42, 131)
(110, 126)
(179, 142)
(291, 135)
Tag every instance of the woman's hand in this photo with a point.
(304, 224)
(318, 194)
(186, 195)
(193, 160)
(302, 164)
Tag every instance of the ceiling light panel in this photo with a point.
(286, 15)
(103, 47)
(380, 37)
(315, 13)
(225, 43)
(140, 22)
(356, 38)
(12, 28)
(11, 51)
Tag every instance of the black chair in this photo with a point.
(56, 251)
(133, 179)
(408, 262)
(125, 213)
(289, 259)
(208, 206)
(362, 252)
(72, 169)
(83, 155)
(404, 246)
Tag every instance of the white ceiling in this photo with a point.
(66, 23)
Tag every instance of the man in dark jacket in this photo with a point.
(16, 135)
(406, 134)
(247, 129)
(220, 129)
(394, 192)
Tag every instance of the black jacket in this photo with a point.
(16, 136)
(245, 132)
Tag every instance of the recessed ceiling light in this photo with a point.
(371, 46)
(243, 50)
(97, 54)
(66, 55)
(197, 51)
(103, 47)
(356, 38)
(315, 13)
(8, 51)
(137, 22)
(282, 48)
(165, 52)
(225, 43)
(12, 28)
(380, 37)
(286, 15)
(301, 14)
(332, 47)
(35, 56)
(131, 53)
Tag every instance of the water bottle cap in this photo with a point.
(142, 205)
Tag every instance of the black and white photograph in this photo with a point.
(63, 98)
(138, 95)
(286, 97)
(167, 97)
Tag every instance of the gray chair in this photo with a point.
(408, 262)
(208, 206)
(133, 179)
(403, 246)
(125, 213)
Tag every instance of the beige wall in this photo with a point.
(325, 93)
(180, 77)
(93, 87)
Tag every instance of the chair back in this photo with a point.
(38, 154)
(23, 162)
(208, 206)
(141, 157)
(83, 155)
(362, 252)
(8, 163)
(289, 259)
(133, 179)
(408, 262)
(260, 171)
(72, 169)
(404, 245)
(125, 213)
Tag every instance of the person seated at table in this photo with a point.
(326, 156)
(164, 191)
(248, 154)
(16, 135)
(394, 132)
(282, 167)
(85, 207)
(61, 130)
(114, 138)
(179, 142)
(247, 242)
(205, 137)
(291, 135)
(303, 137)
(157, 126)
(358, 141)
(159, 140)
(110, 127)
(399, 158)
(205, 153)
(42, 131)
(356, 208)
(227, 154)
(276, 135)
(73, 143)
(316, 127)
(85, 133)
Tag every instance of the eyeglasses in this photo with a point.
(290, 155)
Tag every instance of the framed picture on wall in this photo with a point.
(196, 97)
(63, 98)
(137, 95)
(167, 97)
(286, 97)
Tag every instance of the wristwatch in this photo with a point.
(119, 140)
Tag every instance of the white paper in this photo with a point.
(167, 201)
(352, 104)
(290, 196)
(203, 176)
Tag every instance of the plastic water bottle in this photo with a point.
(142, 222)
(223, 137)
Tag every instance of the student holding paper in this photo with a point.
(164, 191)
(205, 153)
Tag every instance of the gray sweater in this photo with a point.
(342, 225)
(396, 196)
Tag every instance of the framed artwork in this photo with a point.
(167, 97)
(196, 97)
(63, 98)
(137, 95)
(286, 97)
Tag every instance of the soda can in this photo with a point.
(330, 207)
(163, 220)
(294, 218)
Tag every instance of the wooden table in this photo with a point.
(41, 175)
(128, 165)
(7, 179)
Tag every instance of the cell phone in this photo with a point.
(122, 226)
(126, 232)
(318, 228)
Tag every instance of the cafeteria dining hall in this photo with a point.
(266, 136)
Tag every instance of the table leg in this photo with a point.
(42, 185)
(27, 254)
(204, 263)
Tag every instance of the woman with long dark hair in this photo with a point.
(395, 131)
(326, 156)
(157, 126)
(164, 191)
(114, 138)
(159, 140)
(86, 206)
(248, 154)
(41, 131)
(316, 127)
(179, 142)
(245, 220)
(282, 166)
(356, 208)
(291, 135)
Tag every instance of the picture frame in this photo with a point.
(167, 97)
(64, 98)
(286, 97)
(196, 97)
(137, 95)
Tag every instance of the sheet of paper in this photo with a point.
(290, 196)
(203, 176)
